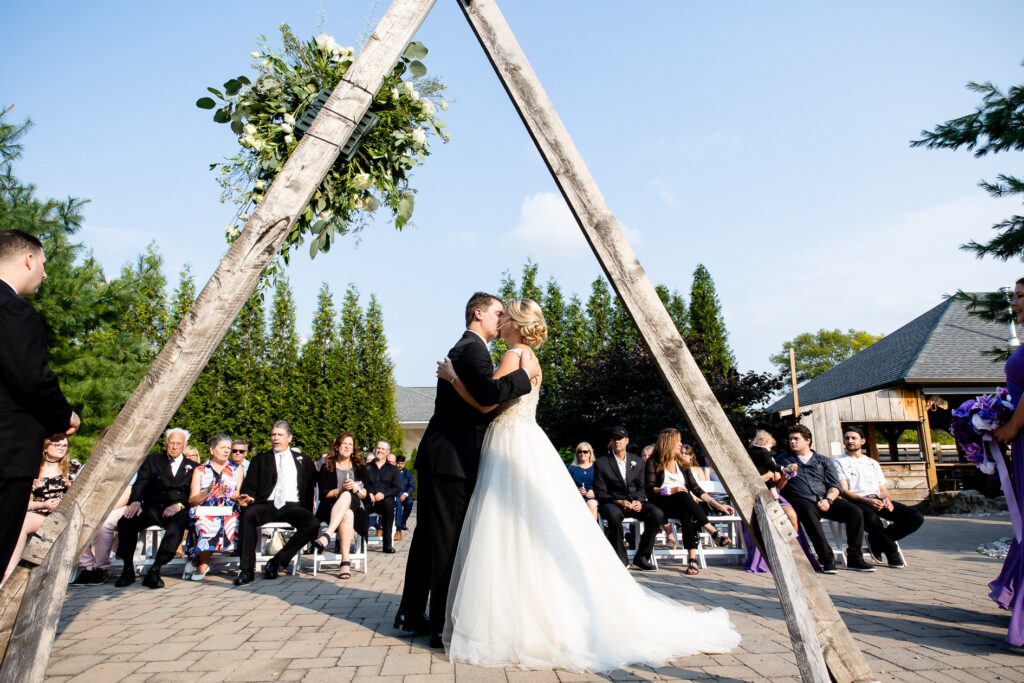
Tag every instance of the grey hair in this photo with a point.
(217, 438)
(188, 434)
(240, 442)
(762, 438)
(283, 424)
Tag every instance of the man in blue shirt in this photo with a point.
(813, 491)
(405, 497)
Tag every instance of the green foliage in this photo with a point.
(817, 352)
(996, 125)
(708, 339)
(263, 114)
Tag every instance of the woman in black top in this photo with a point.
(672, 488)
(341, 487)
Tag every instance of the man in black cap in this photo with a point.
(619, 489)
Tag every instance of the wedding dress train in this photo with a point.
(537, 585)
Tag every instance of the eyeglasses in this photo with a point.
(238, 450)
(582, 450)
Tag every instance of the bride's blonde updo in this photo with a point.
(529, 320)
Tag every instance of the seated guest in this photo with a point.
(673, 489)
(239, 452)
(341, 484)
(813, 491)
(47, 490)
(213, 497)
(384, 484)
(760, 452)
(582, 472)
(864, 485)
(278, 489)
(95, 560)
(159, 497)
(192, 453)
(403, 508)
(619, 489)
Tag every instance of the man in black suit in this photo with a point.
(159, 497)
(383, 485)
(278, 488)
(447, 462)
(32, 406)
(620, 493)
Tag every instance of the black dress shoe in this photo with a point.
(412, 623)
(244, 577)
(643, 564)
(127, 577)
(436, 642)
(152, 578)
(389, 549)
(271, 569)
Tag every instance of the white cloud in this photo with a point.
(662, 186)
(547, 228)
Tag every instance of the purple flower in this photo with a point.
(965, 408)
(971, 448)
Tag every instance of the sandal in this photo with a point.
(345, 572)
(720, 540)
(692, 568)
(322, 542)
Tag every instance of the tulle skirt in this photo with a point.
(537, 585)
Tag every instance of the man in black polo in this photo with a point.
(384, 483)
(814, 494)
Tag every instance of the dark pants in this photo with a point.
(256, 515)
(14, 497)
(649, 514)
(403, 511)
(905, 521)
(691, 516)
(152, 515)
(386, 509)
(442, 510)
(810, 517)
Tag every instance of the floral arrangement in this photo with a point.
(973, 423)
(262, 113)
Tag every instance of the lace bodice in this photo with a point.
(522, 408)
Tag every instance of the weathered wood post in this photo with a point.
(683, 377)
(122, 446)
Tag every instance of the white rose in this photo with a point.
(254, 55)
(289, 119)
(326, 215)
(257, 145)
(249, 129)
(257, 198)
(243, 216)
(231, 231)
(428, 107)
(395, 94)
(419, 137)
(246, 141)
(260, 185)
(362, 181)
(323, 40)
(286, 128)
(288, 139)
(444, 106)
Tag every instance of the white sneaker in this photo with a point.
(198, 577)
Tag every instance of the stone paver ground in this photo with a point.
(930, 622)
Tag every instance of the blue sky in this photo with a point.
(768, 141)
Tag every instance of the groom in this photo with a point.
(447, 462)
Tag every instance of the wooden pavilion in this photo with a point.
(909, 380)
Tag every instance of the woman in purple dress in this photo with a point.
(1007, 588)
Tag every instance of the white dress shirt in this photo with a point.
(176, 464)
(287, 489)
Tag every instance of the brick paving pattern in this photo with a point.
(930, 622)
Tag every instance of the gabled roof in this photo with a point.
(414, 404)
(945, 344)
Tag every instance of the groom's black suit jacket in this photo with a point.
(451, 443)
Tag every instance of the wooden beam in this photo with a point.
(32, 637)
(123, 445)
(926, 443)
(683, 377)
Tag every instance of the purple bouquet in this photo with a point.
(973, 423)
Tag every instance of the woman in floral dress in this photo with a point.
(214, 497)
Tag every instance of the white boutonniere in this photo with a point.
(632, 464)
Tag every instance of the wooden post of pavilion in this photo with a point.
(123, 445)
(684, 379)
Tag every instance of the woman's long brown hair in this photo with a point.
(665, 448)
(331, 461)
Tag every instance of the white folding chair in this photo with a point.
(356, 557)
(838, 540)
(729, 525)
(267, 532)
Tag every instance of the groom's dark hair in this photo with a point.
(478, 301)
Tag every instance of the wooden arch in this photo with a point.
(823, 646)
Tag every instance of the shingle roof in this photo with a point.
(414, 404)
(943, 344)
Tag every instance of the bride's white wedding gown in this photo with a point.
(537, 585)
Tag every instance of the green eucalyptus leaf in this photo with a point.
(399, 69)
(405, 207)
(206, 103)
(243, 79)
(417, 69)
(222, 115)
(236, 126)
(314, 247)
(232, 87)
(216, 92)
(416, 50)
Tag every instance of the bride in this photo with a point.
(535, 583)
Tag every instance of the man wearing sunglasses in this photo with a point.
(240, 453)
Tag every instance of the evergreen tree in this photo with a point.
(244, 366)
(316, 418)
(708, 340)
(676, 308)
(380, 419)
(199, 410)
(283, 354)
(624, 333)
(599, 316)
(348, 374)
